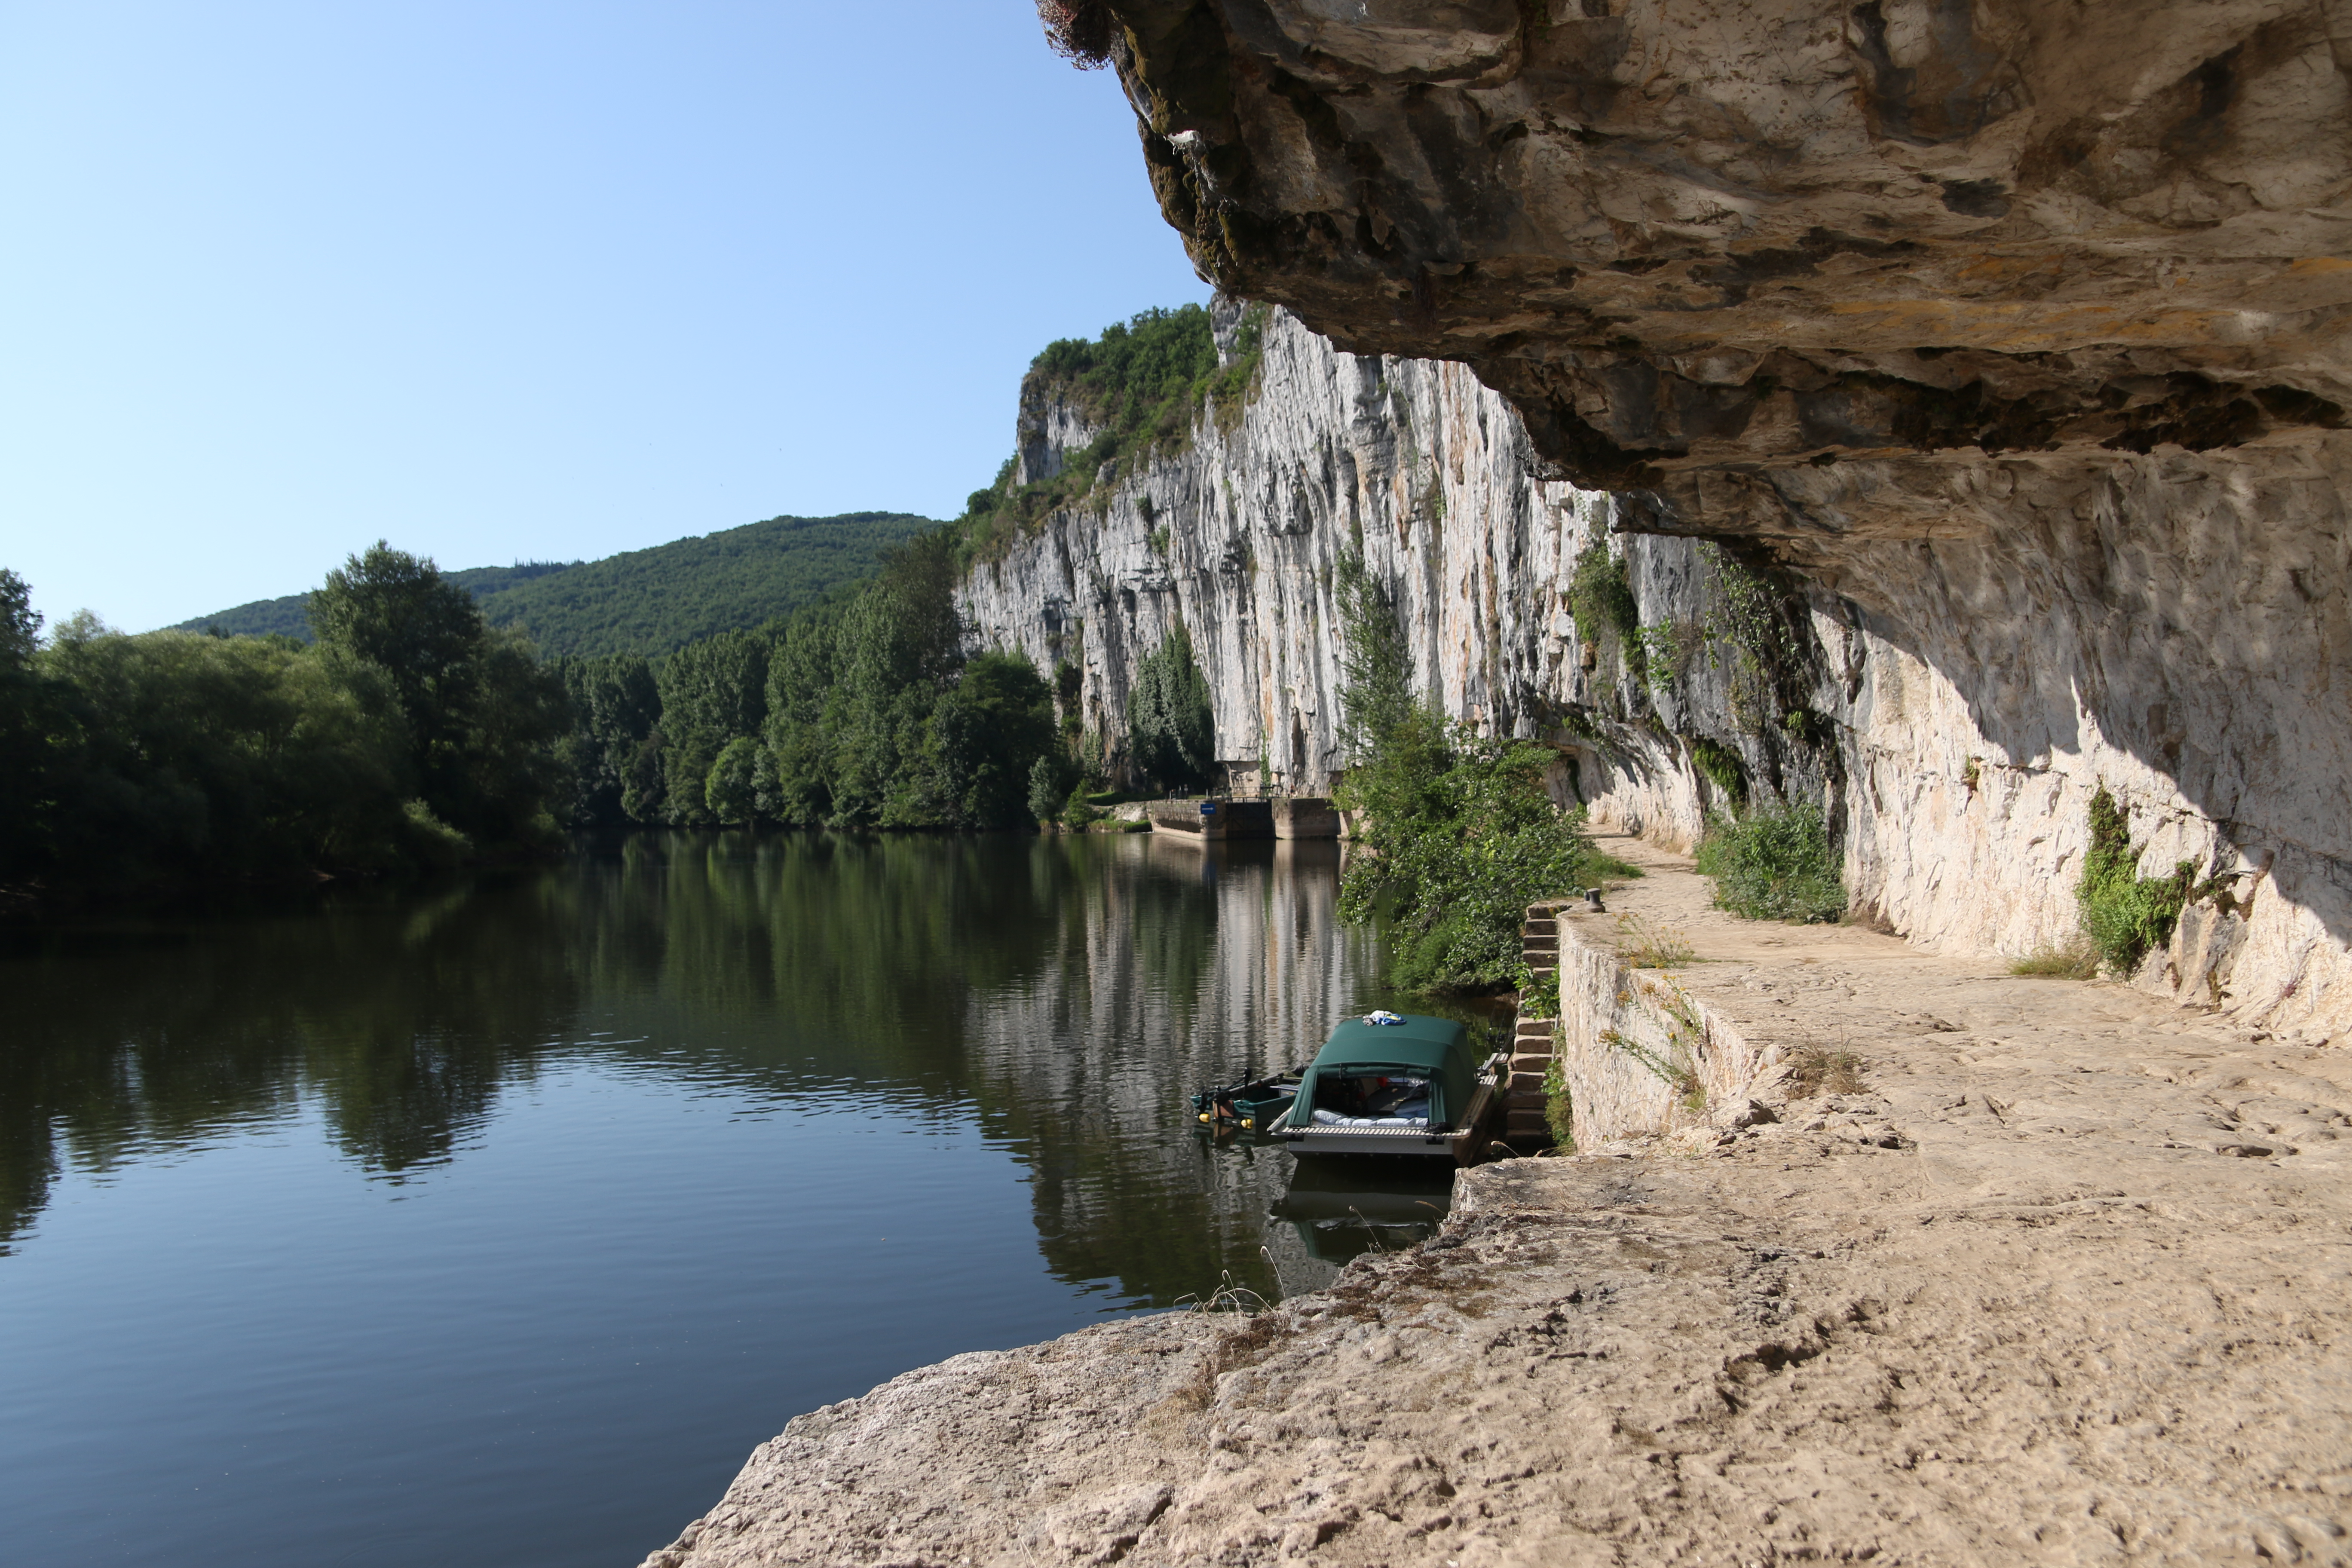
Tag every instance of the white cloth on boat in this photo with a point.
(1412, 1113)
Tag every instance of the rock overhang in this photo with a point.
(1701, 235)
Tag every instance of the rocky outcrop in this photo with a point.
(2014, 333)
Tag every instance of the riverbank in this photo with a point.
(2062, 1277)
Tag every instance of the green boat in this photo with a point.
(1393, 1083)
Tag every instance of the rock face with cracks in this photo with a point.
(2016, 330)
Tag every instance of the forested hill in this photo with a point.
(648, 601)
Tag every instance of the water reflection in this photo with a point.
(495, 1224)
(1068, 991)
(1336, 1208)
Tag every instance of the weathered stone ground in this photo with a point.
(2069, 1282)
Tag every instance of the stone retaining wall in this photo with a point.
(1641, 1054)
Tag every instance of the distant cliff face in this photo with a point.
(2017, 332)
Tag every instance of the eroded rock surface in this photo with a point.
(1687, 237)
(2017, 329)
(2062, 1278)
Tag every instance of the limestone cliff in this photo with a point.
(2016, 331)
(1953, 837)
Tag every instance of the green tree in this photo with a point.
(1052, 779)
(804, 708)
(182, 755)
(394, 612)
(481, 717)
(993, 728)
(712, 693)
(732, 791)
(1460, 831)
(902, 648)
(613, 751)
(511, 773)
(1375, 663)
(1171, 726)
(27, 718)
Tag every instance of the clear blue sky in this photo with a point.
(511, 278)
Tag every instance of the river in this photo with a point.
(495, 1222)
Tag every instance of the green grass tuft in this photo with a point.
(2076, 960)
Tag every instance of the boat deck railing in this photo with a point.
(1426, 1130)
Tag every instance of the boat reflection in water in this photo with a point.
(1336, 1209)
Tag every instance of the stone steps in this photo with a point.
(1532, 1037)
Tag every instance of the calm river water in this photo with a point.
(496, 1224)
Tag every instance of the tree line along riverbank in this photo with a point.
(412, 731)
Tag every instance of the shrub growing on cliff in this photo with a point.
(1774, 864)
(1601, 600)
(2124, 913)
(1141, 385)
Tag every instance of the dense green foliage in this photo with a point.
(410, 733)
(1721, 766)
(648, 602)
(1774, 863)
(1461, 833)
(612, 752)
(1142, 384)
(1462, 837)
(712, 693)
(1171, 726)
(2125, 914)
(478, 715)
(651, 601)
(26, 722)
(861, 711)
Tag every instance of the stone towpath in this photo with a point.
(2063, 1275)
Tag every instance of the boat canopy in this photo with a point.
(1436, 1048)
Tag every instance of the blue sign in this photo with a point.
(1207, 808)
